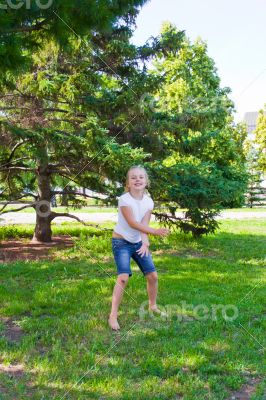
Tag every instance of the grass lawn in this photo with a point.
(65, 350)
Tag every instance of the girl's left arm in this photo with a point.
(145, 221)
(144, 250)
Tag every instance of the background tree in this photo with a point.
(71, 117)
(204, 169)
(260, 139)
(255, 193)
(25, 25)
(256, 163)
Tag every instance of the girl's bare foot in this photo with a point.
(113, 323)
(156, 310)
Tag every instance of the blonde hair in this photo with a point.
(145, 174)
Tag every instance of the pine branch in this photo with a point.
(14, 161)
(30, 28)
(75, 193)
(14, 108)
(18, 198)
(166, 216)
(55, 214)
(14, 149)
(71, 179)
(18, 209)
(18, 168)
(61, 173)
(54, 109)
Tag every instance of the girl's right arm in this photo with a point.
(129, 217)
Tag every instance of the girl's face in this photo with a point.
(137, 179)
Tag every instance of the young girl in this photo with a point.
(130, 240)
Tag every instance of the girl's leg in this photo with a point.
(152, 289)
(146, 265)
(118, 292)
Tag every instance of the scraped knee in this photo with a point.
(123, 279)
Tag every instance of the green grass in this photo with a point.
(62, 306)
(65, 228)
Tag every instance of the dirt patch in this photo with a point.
(246, 391)
(14, 250)
(12, 370)
(14, 377)
(12, 332)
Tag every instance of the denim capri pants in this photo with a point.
(123, 251)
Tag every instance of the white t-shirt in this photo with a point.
(139, 208)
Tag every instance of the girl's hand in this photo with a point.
(161, 232)
(143, 250)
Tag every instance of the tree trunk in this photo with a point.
(64, 200)
(43, 231)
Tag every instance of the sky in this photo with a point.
(235, 32)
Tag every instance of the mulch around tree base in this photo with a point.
(14, 250)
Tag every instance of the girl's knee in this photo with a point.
(122, 279)
(152, 277)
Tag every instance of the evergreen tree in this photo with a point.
(255, 193)
(70, 117)
(260, 139)
(25, 25)
(204, 169)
